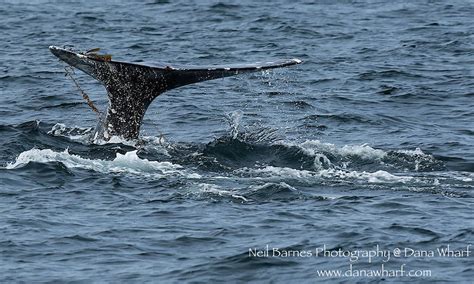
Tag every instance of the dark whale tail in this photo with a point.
(132, 87)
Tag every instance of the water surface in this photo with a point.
(369, 142)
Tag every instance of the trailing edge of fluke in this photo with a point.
(132, 87)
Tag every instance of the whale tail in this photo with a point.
(132, 87)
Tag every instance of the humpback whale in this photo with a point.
(131, 87)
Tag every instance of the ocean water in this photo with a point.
(365, 149)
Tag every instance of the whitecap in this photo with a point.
(364, 151)
(123, 163)
(278, 173)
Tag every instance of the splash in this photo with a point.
(76, 134)
(84, 136)
(123, 163)
(215, 191)
(364, 151)
(234, 119)
(419, 159)
(277, 174)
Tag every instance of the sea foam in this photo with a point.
(127, 163)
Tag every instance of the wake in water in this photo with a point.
(243, 164)
(126, 163)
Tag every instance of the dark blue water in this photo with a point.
(368, 144)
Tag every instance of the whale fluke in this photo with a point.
(132, 87)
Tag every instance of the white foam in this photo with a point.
(115, 140)
(256, 188)
(126, 163)
(278, 173)
(455, 175)
(364, 151)
(414, 153)
(319, 150)
(76, 134)
(57, 129)
(419, 157)
(83, 136)
(271, 171)
(217, 190)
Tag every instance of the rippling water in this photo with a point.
(368, 143)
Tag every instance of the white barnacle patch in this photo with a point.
(113, 110)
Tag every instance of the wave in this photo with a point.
(251, 157)
(275, 191)
(364, 151)
(123, 163)
(84, 136)
(77, 134)
(216, 192)
(313, 177)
